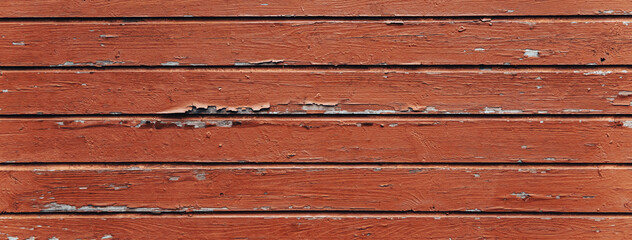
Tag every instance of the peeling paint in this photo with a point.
(522, 195)
(625, 93)
(430, 109)
(603, 73)
(119, 187)
(362, 112)
(531, 53)
(170, 64)
(580, 110)
(225, 110)
(55, 207)
(499, 110)
(266, 62)
(210, 209)
(319, 107)
(107, 62)
(200, 176)
(195, 124)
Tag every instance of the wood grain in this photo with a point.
(315, 226)
(309, 42)
(246, 139)
(315, 119)
(166, 188)
(214, 8)
(278, 91)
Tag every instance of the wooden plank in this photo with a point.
(317, 226)
(274, 91)
(308, 42)
(165, 188)
(214, 8)
(499, 140)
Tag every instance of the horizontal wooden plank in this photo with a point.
(214, 8)
(500, 140)
(272, 91)
(309, 42)
(317, 140)
(318, 187)
(314, 226)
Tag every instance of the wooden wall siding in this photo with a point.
(165, 188)
(286, 8)
(315, 226)
(336, 140)
(317, 42)
(331, 119)
(330, 91)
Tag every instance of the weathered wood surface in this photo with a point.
(252, 170)
(350, 8)
(329, 91)
(167, 188)
(247, 139)
(317, 42)
(316, 226)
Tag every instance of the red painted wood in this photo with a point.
(299, 188)
(316, 226)
(102, 176)
(213, 8)
(339, 91)
(239, 139)
(317, 42)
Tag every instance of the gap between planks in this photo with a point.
(244, 166)
(403, 118)
(535, 18)
(589, 69)
(314, 214)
